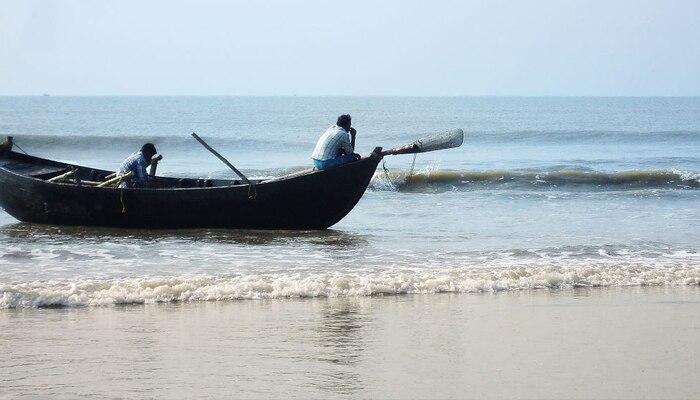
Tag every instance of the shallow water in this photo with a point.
(545, 192)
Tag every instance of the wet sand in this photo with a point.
(636, 342)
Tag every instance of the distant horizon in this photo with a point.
(359, 95)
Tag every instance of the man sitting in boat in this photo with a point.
(6, 145)
(337, 145)
(136, 164)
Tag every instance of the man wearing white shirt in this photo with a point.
(337, 145)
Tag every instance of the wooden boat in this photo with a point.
(39, 190)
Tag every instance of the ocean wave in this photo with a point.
(178, 149)
(95, 292)
(434, 179)
(597, 137)
(172, 143)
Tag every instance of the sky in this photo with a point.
(351, 48)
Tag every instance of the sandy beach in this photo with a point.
(637, 342)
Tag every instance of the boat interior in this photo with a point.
(62, 173)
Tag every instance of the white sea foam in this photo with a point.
(688, 176)
(385, 181)
(99, 292)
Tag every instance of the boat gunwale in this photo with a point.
(256, 182)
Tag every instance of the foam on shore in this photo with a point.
(188, 288)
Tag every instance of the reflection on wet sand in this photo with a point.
(40, 252)
(57, 234)
(343, 339)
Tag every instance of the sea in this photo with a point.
(556, 253)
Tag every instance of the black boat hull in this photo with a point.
(310, 200)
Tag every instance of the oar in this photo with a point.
(62, 176)
(438, 141)
(116, 179)
(220, 157)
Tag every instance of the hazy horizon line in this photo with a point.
(344, 95)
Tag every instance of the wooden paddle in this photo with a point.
(438, 141)
(62, 176)
(116, 179)
(220, 157)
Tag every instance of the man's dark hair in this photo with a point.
(148, 148)
(344, 121)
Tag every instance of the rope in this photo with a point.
(121, 199)
(121, 191)
(16, 145)
(251, 188)
(386, 173)
(410, 173)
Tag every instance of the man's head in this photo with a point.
(148, 150)
(344, 121)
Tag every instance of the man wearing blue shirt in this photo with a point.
(137, 163)
(337, 145)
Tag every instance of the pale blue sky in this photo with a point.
(359, 47)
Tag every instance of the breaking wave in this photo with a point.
(435, 179)
(101, 292)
